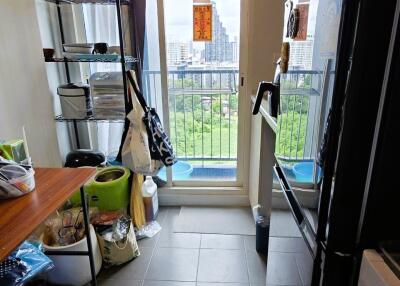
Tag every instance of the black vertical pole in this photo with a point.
(126, 97)
(60, 23)
(122, 51)
(88, 237)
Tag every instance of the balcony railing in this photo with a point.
(300, 124)
(300, 105)
(203, 107)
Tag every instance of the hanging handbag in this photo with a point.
(135, 152)
(160, 146)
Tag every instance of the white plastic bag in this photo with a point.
(118, 243)
(135, 150)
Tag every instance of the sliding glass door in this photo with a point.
(201, 107)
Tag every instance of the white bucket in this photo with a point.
(74, 270)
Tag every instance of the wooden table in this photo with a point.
(19, 217)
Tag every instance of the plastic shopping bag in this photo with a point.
(118, 242)
(23, 264)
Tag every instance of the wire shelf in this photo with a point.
(99, 59)
(60, 118)
(104, 2)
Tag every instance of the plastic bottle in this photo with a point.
(150, 199)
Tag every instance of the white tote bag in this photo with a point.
(136, 150)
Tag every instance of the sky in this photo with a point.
(179, 18)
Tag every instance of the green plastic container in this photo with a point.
(108, 190)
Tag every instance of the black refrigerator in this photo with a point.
(359, 201)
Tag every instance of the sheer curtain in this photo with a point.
(101, 26)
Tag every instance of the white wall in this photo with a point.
(25, 98)
(265, 40)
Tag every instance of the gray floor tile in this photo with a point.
(305, 265)
(149, 241)
(287, 244)
(152, 241)
(177, 264)
(219, 241)
(283, 224)
(134, 270)
(220, 265)
(221, 220)
(222, 284)
(282, 269)
(179, 240)
(170, 219)
(162, 214)
(168, 283)
(250, 242)
(119, 282)
(257, 266)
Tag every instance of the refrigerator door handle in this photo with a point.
(301, 220)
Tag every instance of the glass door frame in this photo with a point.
(244, 114)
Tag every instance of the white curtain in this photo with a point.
(101, 26)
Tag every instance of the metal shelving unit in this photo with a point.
(122, 58)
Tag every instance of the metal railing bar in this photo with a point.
(298, 131)
(176, 131)
(306, 131)
(231, 75)
(303, 72)
(291, 129)
(149, 94)
(212, 99)
(280, 128)
(184, 119)
(285, 158)
(229, 125)
(220, 117)
(198, 91)
(313, 131)
(155, 93)
(286, 123)
(202, 121)
(196, 71)
(206, 159)
(194, 143)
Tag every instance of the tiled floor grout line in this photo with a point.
(198, 260)
(154, 248)
(247, 262)
(298, 270)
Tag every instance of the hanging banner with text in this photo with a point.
(202, 22)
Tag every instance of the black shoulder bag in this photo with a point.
(160, 146)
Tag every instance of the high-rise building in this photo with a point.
(301, 53)
(220, 49)
(178, 52)
(235, 50)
